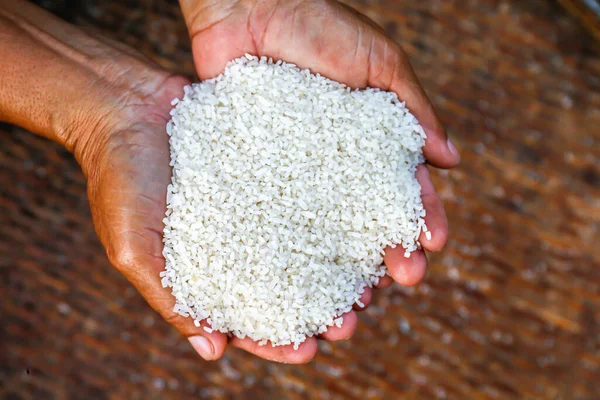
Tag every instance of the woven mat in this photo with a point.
(510, 309)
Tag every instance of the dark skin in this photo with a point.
(112, 110)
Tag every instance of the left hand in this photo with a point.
(109, 105)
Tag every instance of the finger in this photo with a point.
(435, 219)
(439, 149)
(389, 69)
(220, 32)
(384, 282)
(209, 345)
(211, 54)
(401, 79)
(405, 271)
(283, 354)
(365, 300)
(344, 332)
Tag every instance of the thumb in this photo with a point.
(212, 50)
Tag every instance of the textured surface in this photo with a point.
(287, 212)
(587, 12)
(511, 308)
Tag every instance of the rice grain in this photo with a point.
(286, 189)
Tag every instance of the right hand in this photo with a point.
(330, 38)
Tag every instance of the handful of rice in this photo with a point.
(286, 189)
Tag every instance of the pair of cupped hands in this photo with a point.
(119, 138)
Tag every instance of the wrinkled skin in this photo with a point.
(128, 166)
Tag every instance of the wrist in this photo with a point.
(47, 87)
(116, 100)
(202, 14)
(65, 85)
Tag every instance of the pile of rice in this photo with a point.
(286, 189)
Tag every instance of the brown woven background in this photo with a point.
(587, 12)
(510, 309)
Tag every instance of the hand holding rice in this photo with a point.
(286, 189)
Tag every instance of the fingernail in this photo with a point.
(203, 347)
(453, 149)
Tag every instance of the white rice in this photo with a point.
(286, 188)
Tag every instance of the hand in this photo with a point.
(344, 45)
(117, 133)
(111, 112)
(127, 167)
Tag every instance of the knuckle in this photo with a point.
(121, 257)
